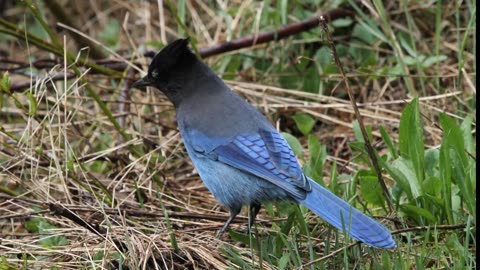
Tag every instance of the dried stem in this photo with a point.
(368, 145)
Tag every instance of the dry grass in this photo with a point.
(69, 154)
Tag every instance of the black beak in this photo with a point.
(142, 83)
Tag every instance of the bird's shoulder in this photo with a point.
(219, 116)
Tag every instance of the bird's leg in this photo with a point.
(253, 212)
(233, 214)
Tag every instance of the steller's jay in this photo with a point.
(239, 155)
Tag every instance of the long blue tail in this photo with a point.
(333, 209)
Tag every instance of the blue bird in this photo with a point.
(239, 155)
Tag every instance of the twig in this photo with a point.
(330, 255)
(281, 33)
(109, 66)
(64, 212)
(368, 145)
(435, 227)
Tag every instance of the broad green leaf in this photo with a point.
(453, 148)
(362, 56)
(414, 211)
(431, 162)
(411, 139)
(402, 172)
(311, 80)
(41, 226)
(370, 188)
(304, 122)
(324, 56)
(364, 33)
(284, 260)
(410, 61)
(232, 68)
(432, 186)
(239, 237)
(374, 30)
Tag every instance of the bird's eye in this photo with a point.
(154, 73)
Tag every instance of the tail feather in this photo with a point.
(333, 210)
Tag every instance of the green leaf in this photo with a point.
(414, 212)
(342, 22)
(388, 141)
(407, 43)
(41, 226)
(334, 178)
(411, 139)
(181, 8)
(324, 56)
(363, 57)
(287, 225)
(370, 188)
(372, 28)
(431, 60)
(284, 260)
(5, 83)
(318, 157)
(402, 172)
(239, 237)
(363, 33)
(432, 186)
(446, 178)
(453, 149)
(409, 61)
(431, 162)
(358, 132)
(468, 138)
(32, 109)
(284, 11)
(311, 79)
(294, 144)
(304, 122)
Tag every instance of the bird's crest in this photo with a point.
(169, 56)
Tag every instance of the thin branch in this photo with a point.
(368, 145)
(58, 210)
(281, 33)
(108, 66)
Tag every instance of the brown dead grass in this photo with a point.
(35, 170)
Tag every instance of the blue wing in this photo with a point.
(268, 156)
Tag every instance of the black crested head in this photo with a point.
(171, 57)
(171, 69)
